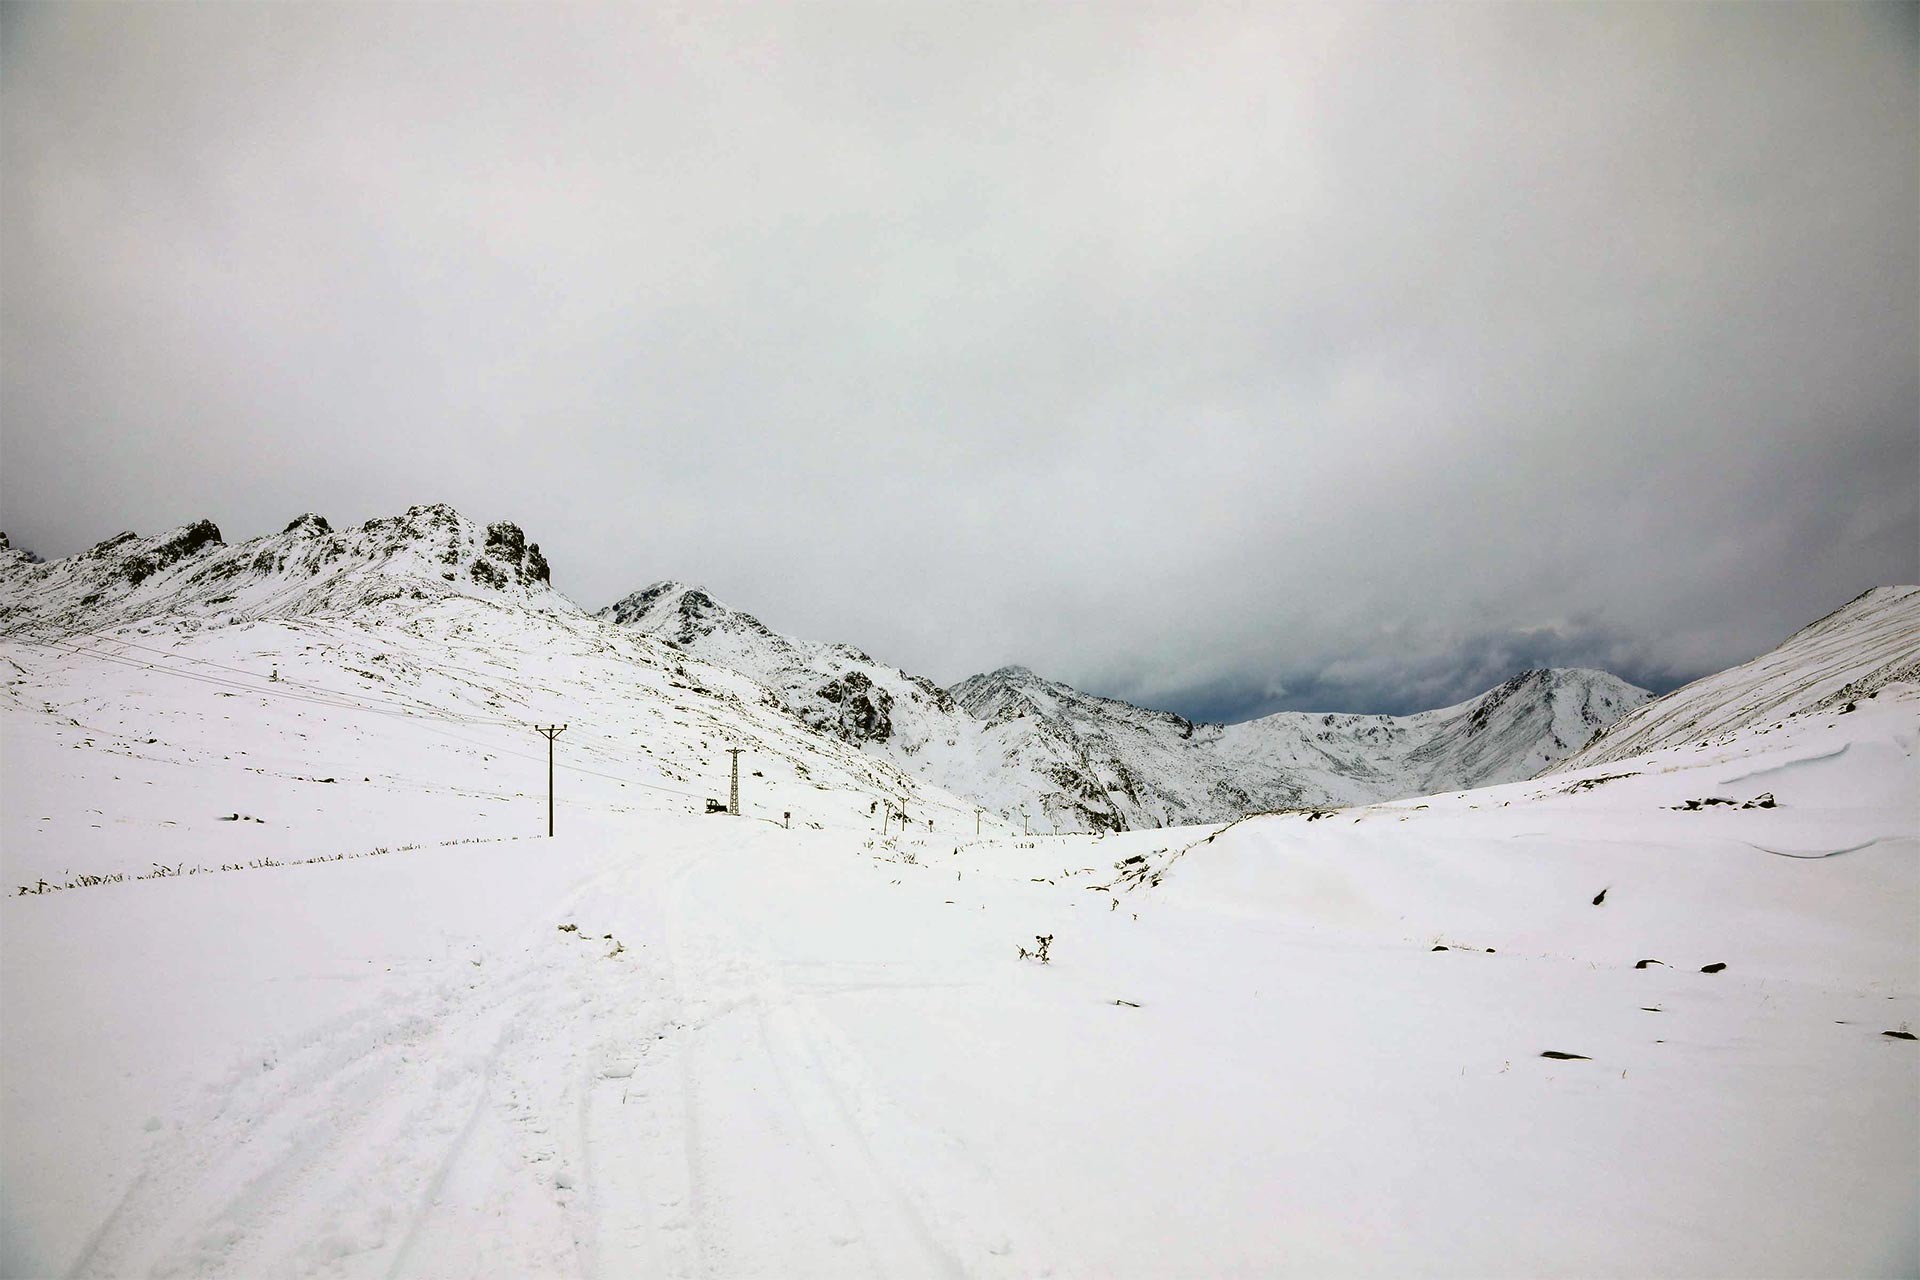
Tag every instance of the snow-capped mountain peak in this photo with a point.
(835, 688)
(429, 552)
(681, 614)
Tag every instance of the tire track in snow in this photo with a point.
(813, 1103)
(634, 1125)
(330, 1131)
(576, 1038)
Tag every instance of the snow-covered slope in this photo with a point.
(430, 553)
(312, 694)
(1009, 770)
(662, 1044)
(1870, 642)
(833, 687)
(1021, 744)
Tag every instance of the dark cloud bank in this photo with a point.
(1223, 359)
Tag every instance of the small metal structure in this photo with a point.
(733, 796)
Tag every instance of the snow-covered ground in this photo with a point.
(184, 744)
(666, 1043)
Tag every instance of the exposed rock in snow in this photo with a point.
(429, 553)
(12, 554)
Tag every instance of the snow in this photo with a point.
(429, 553)
(1021, 744)
(370, 1021)
(128, 748)
(814, 1051)
(1871, 641)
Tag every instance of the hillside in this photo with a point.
(312, 694)
(1020, 744)
(1870, 642)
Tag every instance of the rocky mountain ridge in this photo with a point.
(308, 568)
(1022, 744)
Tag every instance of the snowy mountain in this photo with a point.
(833, 687)
(1019, 743)
(430, 553)
(1157, 768)
(888, 713)
(1020, 746)
(1870, 642)
(313, 679)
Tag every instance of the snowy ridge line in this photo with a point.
(162, 872)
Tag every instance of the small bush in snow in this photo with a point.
(1039, 952)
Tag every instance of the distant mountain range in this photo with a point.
(1010, 741)
(1019, 743)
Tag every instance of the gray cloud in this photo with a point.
(1223, 359)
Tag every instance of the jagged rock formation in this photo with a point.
(1866, 644)
(12, 554)
(307, 568)
(833, 687)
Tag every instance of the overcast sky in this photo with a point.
(1222, 358)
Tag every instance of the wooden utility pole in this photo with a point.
(550, 732)
(733, 796)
